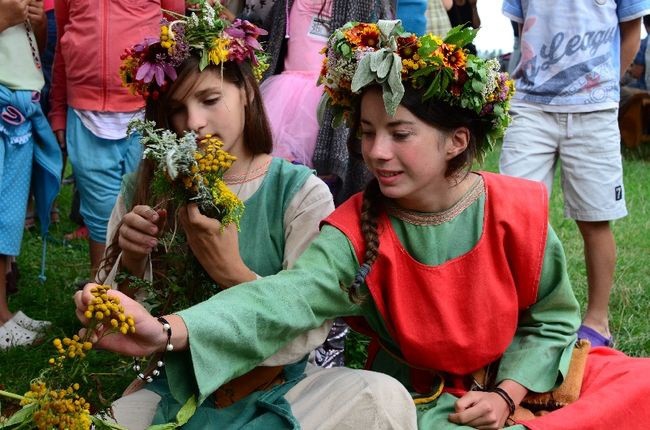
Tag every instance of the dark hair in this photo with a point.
(435, 113)
(257, 136)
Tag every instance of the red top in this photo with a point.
(461, 315)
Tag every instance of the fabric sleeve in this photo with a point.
(58, 93)
(235, 330)
(311, 204)
(513, 11)
(539, 355)
(627, 10)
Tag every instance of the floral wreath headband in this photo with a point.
(149, 68)
(362, 54)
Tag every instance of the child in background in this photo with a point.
(89, 107)
(28, 152)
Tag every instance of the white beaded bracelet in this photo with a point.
(160, 363)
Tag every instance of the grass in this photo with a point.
(67, 265)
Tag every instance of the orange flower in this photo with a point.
(456, 59)
(363, 35)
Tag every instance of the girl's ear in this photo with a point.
(457, 142)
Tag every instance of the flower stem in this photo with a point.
(11, 395)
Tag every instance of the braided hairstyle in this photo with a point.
(435, 113)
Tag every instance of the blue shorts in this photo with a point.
(587, 146)
(15, 176)
(99, 165)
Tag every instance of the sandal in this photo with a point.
(11, 335)
(30, 324)
(594, 337)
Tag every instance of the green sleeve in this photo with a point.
(539, 355)
(235, 330)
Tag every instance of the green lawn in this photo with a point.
(67, 265)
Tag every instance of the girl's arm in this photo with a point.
(237, 329)
(307, 209)
(539, 354)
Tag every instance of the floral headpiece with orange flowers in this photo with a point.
(362, 54)
(148, 68)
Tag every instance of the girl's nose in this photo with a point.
(380, 147)
(196, 120)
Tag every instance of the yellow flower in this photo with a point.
(219, 51)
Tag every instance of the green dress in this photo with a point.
(233, 331)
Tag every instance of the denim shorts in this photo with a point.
(98, 165)
(587, 146)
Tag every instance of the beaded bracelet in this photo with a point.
(160, 363)
(506, 397)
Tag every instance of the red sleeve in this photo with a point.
(58, 95)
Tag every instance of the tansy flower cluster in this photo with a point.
(362, 54)
(54, 400)
(58, 409)
(149, 68)
(190, 171)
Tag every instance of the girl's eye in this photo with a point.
(366, 134)
(211, 101)
(401, 135)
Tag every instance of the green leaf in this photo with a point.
(460, 35)
(363, 76)
(182, 417)
(24, 415)
(385, 66)
(105, 425)
(205, 60)
(187, 411)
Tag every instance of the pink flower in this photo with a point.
(245, 42)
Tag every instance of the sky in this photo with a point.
(495, 32)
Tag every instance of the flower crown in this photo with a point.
(149, 68)
(361, 54)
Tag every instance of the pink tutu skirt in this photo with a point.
(290, 100)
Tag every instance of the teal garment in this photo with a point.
(263, 218)
(259, 410)
(255, 319)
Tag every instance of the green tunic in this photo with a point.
(232, 332)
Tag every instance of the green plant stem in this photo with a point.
(11, 395)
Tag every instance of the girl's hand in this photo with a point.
(138, 236)
(215, 247)
(149, 337)
(481, 410)
(14, 12)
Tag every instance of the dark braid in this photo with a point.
(370, 209)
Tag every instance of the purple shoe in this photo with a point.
(595, 338)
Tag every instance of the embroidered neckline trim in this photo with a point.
(476, 190)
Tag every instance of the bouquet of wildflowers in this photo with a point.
(56, 398)
(187, 171)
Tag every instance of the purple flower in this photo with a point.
(244, 43)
